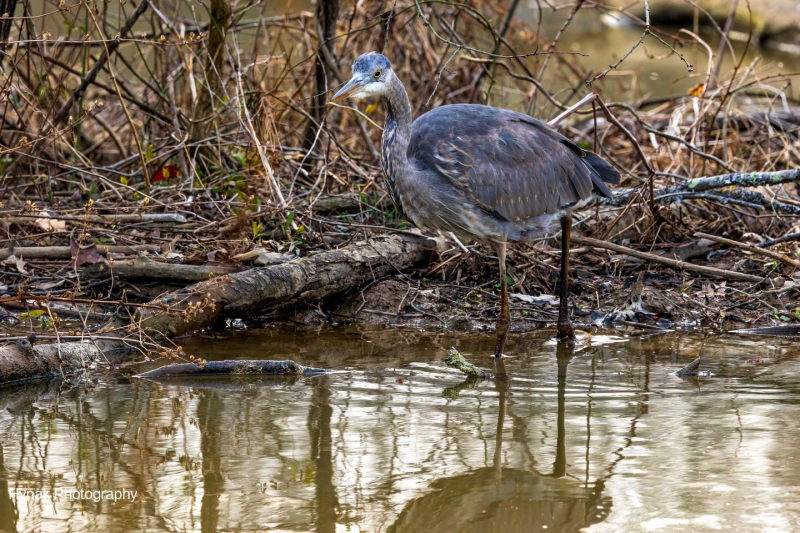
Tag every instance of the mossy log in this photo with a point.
(698, 187)
(457, 361)
(232, 367)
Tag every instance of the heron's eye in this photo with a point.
(377, 74)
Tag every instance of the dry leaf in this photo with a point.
(697, 90)
(49, 224)
(84, 255)
(17, 262)
(47, 285)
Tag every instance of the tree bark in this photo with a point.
(18, 363)
(143, 267)
(309, 278)
(211, 94)
(327, 13)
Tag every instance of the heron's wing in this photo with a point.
(507, 163)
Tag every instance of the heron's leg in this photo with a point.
(504, 320)
(564, 328)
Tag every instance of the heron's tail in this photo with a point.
(603, 173)
(607, 173)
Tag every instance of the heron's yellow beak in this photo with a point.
(355, 84)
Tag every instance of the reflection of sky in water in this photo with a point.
(396, 443)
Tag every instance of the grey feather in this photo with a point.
(507, 163)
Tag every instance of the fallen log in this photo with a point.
(232, 367)
(682, 265)
(25, 360)
(142, 267)
(198, 306)
(65, 252)
(308, 278)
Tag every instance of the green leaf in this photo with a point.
(510, 280)
(123, 180)
(93, 189)
(36, 313)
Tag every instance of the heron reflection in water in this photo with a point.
(509, 500)
(481, 173)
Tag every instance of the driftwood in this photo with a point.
(24, 360)
(233, 367)
(143, 267)
(750, 248)
(689, 370)
(308, 278)
(199, 305)
(682, 265)
(64, 252)
(457, 361)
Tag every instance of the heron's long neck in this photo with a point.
(396, 136)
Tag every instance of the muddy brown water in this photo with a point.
(399, 443)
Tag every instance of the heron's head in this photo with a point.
(371, 74)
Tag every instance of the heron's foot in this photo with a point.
(565, 332)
